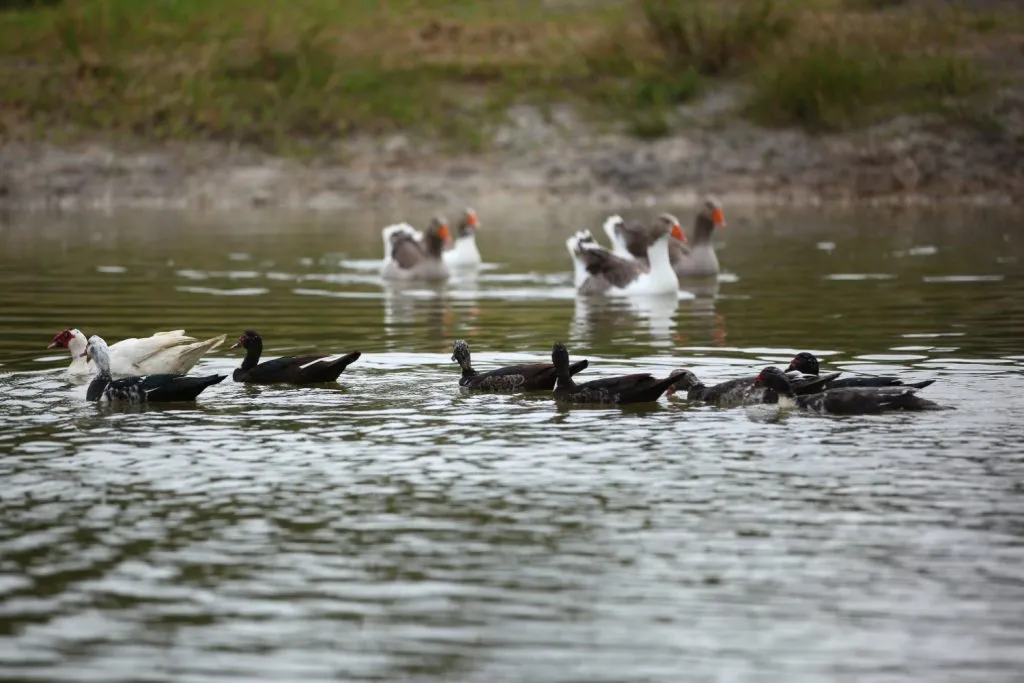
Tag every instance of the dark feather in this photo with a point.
(528, 377)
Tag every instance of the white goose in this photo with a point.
(464, 253)
(162, 353)
(599, 271)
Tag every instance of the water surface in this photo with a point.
(392, 528)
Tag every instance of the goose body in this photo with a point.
(135, 390)
(287, 369)
(409, 257)
(621, 390)
(464, 253)
(597, 270)
(699, 259)
(741, 391)
(807, 364)
(524, 377)
(170, 352)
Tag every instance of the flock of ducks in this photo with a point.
(644, 259)
(154, 369)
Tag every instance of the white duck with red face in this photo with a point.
(163, 352)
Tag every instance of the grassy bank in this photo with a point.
(287, 75)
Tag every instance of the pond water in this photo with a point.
(390, 528)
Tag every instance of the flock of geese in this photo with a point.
(650, 259)
(643, 259)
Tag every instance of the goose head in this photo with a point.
(804, 363)
(670, 223)
(437, 236)
(96, 351)
(709, 217)
(468, 224)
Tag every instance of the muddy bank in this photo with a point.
(536, 158)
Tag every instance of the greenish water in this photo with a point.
(391, 528)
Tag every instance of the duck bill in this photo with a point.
(53, 345)
(235, 345)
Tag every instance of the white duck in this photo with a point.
(599, 271)
(162, 353)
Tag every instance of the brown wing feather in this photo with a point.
(616, 270)
(406, 251)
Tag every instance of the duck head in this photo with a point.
(96, 350)
(248, 340)
(67, 338)
(685, 380)
(805, 363)
(460, 353)
(774, 378)
(560, 355)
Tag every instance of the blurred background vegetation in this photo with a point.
(287, 74)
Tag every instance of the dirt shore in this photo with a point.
(539, 158)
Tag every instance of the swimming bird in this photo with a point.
(807, 364)
(596, 270)
(699, 258)
(525, 377)
(637, 388)
(464, 253)
(162, 353)
(156, 388)
(631, 240)
(311, 369)
(737, 392)
(845, 400)
(409, 258)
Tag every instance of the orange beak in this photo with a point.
(471, 219)
(443, 232)
(718, 218)
(678, 233)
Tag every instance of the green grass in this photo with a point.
(837, 85)
(290, 75)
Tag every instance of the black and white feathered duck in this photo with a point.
(525, 377)
(806, 363)
(741, 391)
(287, 369)
(161, 388)
(844, 400)
(638, 388)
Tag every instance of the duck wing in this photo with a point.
(866, 400)
(882, 381)
(312, 369)
(525, 377)
(166, 388)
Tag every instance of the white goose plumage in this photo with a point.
(171, 352)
